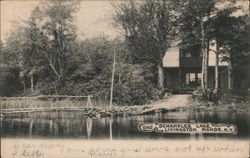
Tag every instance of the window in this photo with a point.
(193, 79)
(188, 54)
(199, 78)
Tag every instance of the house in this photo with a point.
(183, 66)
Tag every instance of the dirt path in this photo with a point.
(174, 102)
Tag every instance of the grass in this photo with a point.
(35, 103)
(226, 103)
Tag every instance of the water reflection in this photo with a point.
(50, 126)
(121, 127)
(110, 128)
(89, 124)
(31, 127)
(158, 116)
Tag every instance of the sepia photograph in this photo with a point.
(125, 78)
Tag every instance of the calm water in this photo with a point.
(74, 125)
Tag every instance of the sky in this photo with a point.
(93, 19)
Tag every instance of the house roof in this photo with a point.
(171, 57)
(212, 57)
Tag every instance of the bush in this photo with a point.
(139, 88)
(9, 81)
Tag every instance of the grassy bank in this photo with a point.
(227, 102)
(24, 107)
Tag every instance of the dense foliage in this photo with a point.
(221, 24)
(149, 29)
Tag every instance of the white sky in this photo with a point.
(93, 18)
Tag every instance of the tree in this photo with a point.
(45, 41)
(60, 30)
(218, 31)
(9, 78)
(9, 81)
(149, 28)
(232, 35)
(26, 43)
(194, 18)
(202, 22)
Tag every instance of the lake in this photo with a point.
(68, 125)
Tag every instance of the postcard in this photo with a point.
(125, 79)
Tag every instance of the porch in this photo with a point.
(188, 79)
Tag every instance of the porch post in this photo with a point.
(229, 70)
(165, 78)
(196, 77)
(180, 86)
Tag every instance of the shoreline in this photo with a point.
(173, 103)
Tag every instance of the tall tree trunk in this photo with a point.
(202, 73)
(160, 76)
(32, 82)
(24, 84)
(216, 86)
(112, 83)
(216, 71)
(54, 84)
(54, 70)
(204, 61)
(119, 76)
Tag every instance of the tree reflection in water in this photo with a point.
(50, 126)
(110, 128)
(89, 123)
(31, 127)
